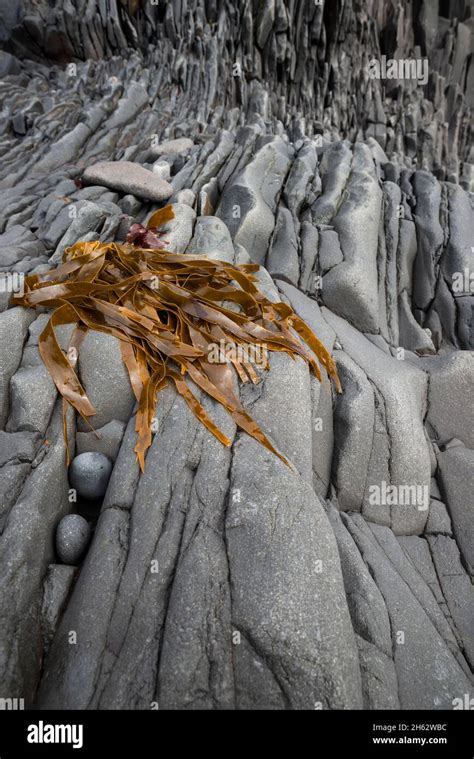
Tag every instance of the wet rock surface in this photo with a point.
(219, 578)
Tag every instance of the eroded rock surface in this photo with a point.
(219, 578)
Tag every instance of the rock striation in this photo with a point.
(219, 578)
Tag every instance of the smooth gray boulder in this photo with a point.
(72, 538)
(89, 474)
(128, 178)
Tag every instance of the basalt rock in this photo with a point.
(219, 578)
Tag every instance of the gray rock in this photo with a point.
(162, 169)
(257, 528)
(215, 160)
(57, 587)
(89, 219)
(282, 260)
(429, 237)
(185, 464)
(379, 679)
(457, 589)
(186, 197)
(130, 205)
(31, 355)
(451, 394)
(247, 206)
(414, 636)
(453, 443)
(308, 310)
(58, 219)
(411, 335)
(179, 230)
(438, 520)
(266, 284)
(72, 538)
(17, 452)
(13, 332)
(129, 106)
(17, 243)
(330, 253)
(91, 605)
(89, 474)
(105, 440)
(105, 380)
(350, 289)
(17, 446)
(203, 587)
(309, 252)
(117, 570)
(208, 197)
(401, 398)
(354, 420)
(456, 467)
(211, 238)
(420, 576)
(63, 150)
(32, 397)
(297, 187)
(371, 623)
(9, 64)
(418, 551)
(434, 489)
(129, 178)
(27, 540)
(323, 435)
(334, 169)
(173, 147)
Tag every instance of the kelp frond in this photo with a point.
(168, 310)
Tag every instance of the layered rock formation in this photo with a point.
(219, 578)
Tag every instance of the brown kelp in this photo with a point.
(168, 310)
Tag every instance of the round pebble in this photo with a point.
(89, 474)
(72, 538)
(162, 169)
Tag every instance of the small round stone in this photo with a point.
(89, 474)
(72, 538)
